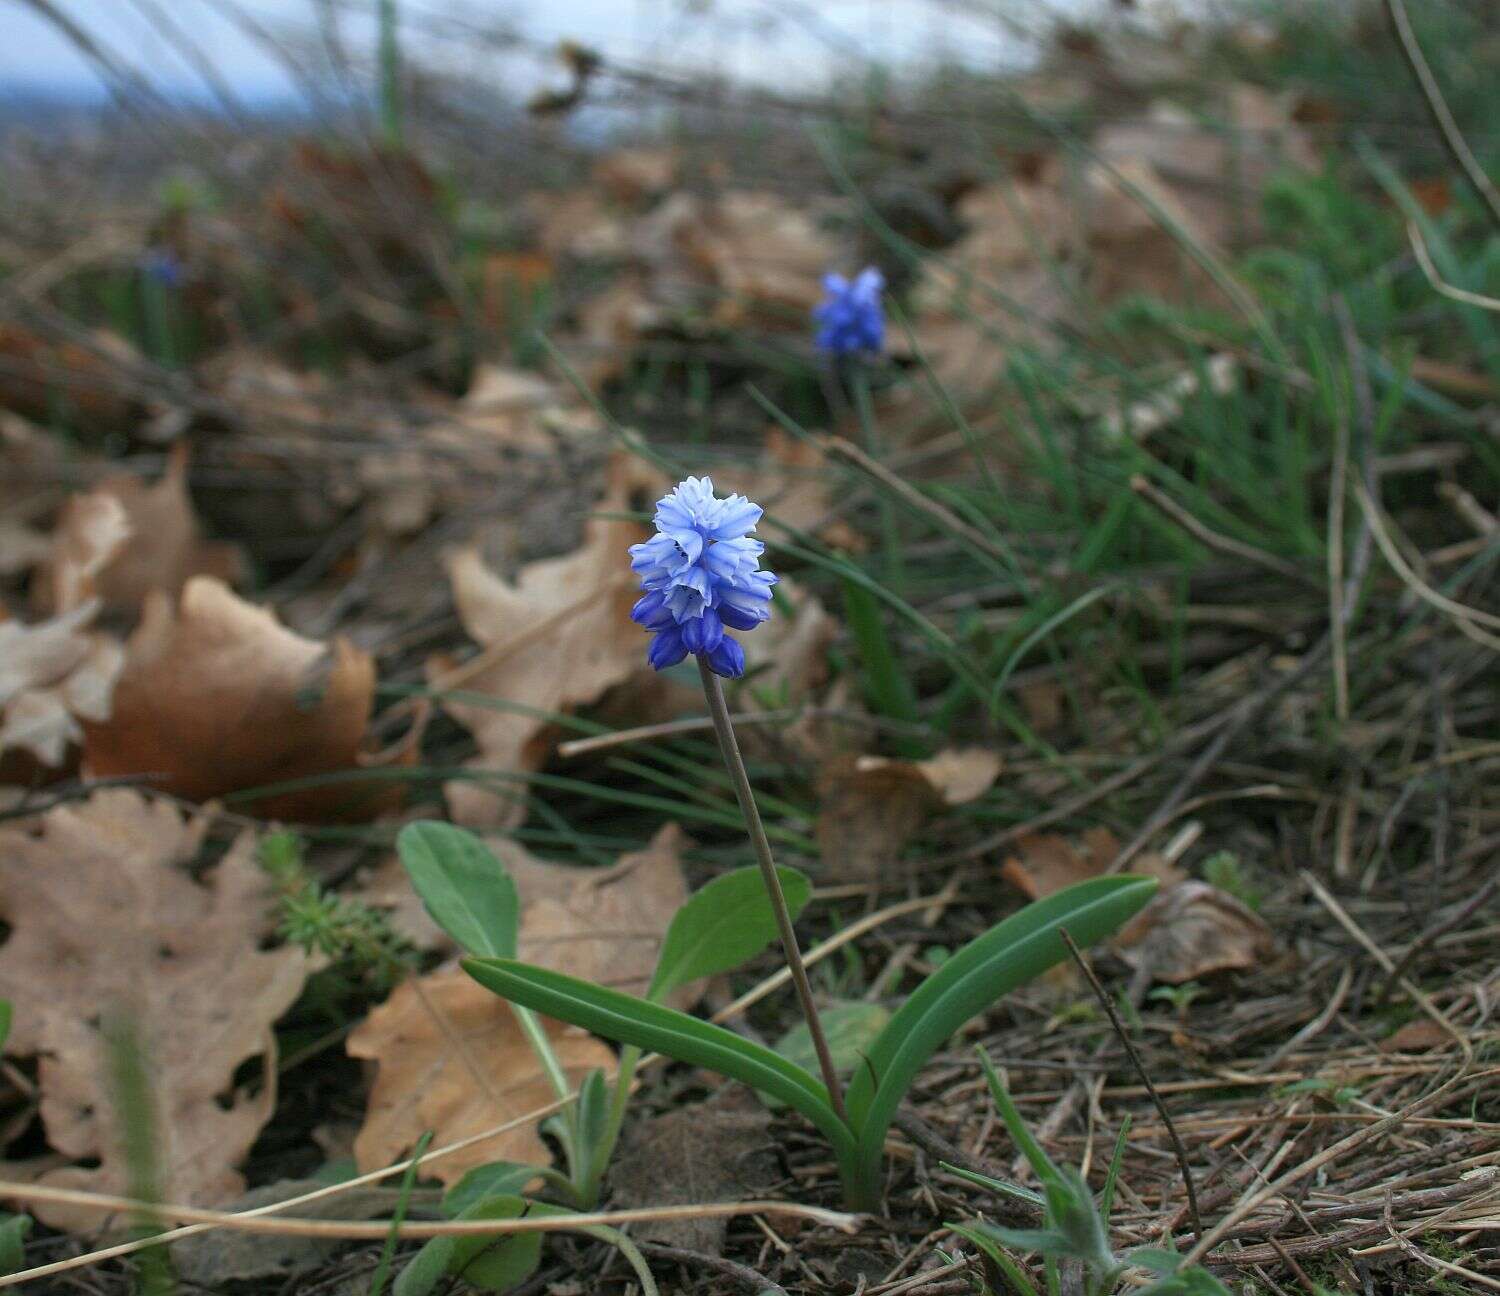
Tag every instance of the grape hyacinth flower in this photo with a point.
(700, 578)
(850, 319)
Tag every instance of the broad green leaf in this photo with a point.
(628, 1020)
(1011, 953)
(464, 887)
(6, 1012)
(1158, 1260)
(425, 1269)
(496, 1263)
(850, 1027)
(724, 923)
(14, 1230)
(497, 1179)
(603, 1233)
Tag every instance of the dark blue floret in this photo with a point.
(850, 318)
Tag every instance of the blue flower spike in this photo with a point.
(850, 318)
(700, 578)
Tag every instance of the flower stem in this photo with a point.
(718, 709)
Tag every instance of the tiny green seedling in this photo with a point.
(1074, 1226)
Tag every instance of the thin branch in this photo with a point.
(284, 1226)
(1140, 1069)
(1438, 106)
(1439, 284)
(1213, 540)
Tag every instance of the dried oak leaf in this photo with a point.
(557, 637)
(871, 805)
(1047, 862)
(106, 920)
(601, 924)
(1193, 929)
(452, 1059)
(605, 925)
(55, 673)
(1189, 930)
(164, 549)
(217, 697)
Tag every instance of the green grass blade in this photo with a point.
(629, 1020)
(1010, 954)
(398, 1217)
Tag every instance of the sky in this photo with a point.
(785, 42)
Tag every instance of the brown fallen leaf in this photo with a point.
(766, 257)
(1047, 862)
(56, 673)
(870, 806)
(717, 1150)
(217, 697)
(557, 637)
(1416, 1037)
(54, 677)
(106, 920)
(1212, 170)
(1193, 929)
(605, 925)
(1189, 930)
(452, 1059)
(787, 657)
(163, 550)
(634, 176)
(601, 924)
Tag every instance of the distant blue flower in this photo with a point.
(162, 265)
(700, 578)
(850, 318)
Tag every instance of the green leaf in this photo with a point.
(1036, 1156)
(723, 924)
(6, 1012)
(851, 1027)
(1047, 1242)
(614, 1237)
(1158, 1260)
(995, 1185)
(425, 1269)
(593, 1111)
(497, 1179)
(14, 1230)
(1008, 955)
(496, 1263)
(628, 1020)
(1013, 1273)
(463, 886)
